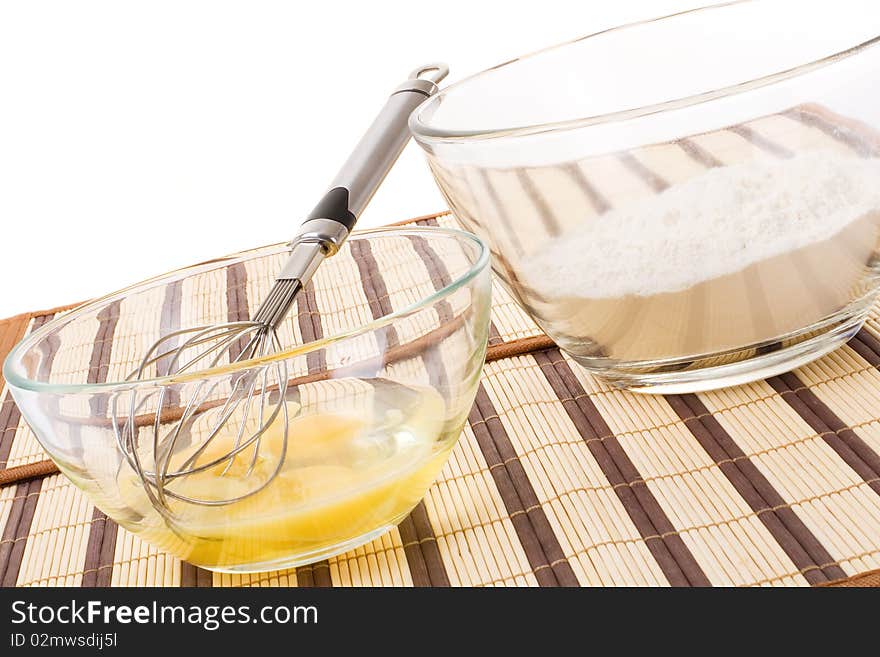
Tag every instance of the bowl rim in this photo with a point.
(16, 380)
(425, 133)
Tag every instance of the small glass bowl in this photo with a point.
(387, 345)
(683, 203)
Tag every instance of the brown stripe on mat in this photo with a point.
(788, 530)
(193, 576)
(236, 304)
(420, 546)
(672, 555)
(436, 270)
(9, 413)
(760, 141)
(419, 541)
(440, 278)
(374, 287)
(310, 327)
(17, 529)
(540, 544)
(99, 363)
(101, 545)
(698, 153)
(315, 574)
(653, 179)
(318, 573)
(100, 551)
(9, 418)
(834, 431)
(597, 200)
(549, 219)
(836, 131)
(867, 346)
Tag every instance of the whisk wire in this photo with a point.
(182, 350)
(242, 425)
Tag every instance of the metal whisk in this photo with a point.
(151, 440)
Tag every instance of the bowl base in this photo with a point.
(749, 364)
(300, 559)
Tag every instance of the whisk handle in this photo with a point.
(370, 161)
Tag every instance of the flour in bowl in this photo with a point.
(736, 256)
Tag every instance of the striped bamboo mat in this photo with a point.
(557, 480)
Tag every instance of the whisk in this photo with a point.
(257, 399)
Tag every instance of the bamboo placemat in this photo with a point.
(557, 479)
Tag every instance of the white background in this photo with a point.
(136, 137)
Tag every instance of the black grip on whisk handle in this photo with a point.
(334, 206)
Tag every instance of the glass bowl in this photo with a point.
(386, 349)
(684, 203)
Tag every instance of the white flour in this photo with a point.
(712, 225)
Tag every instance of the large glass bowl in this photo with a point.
(683, 203)
(385, 350)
